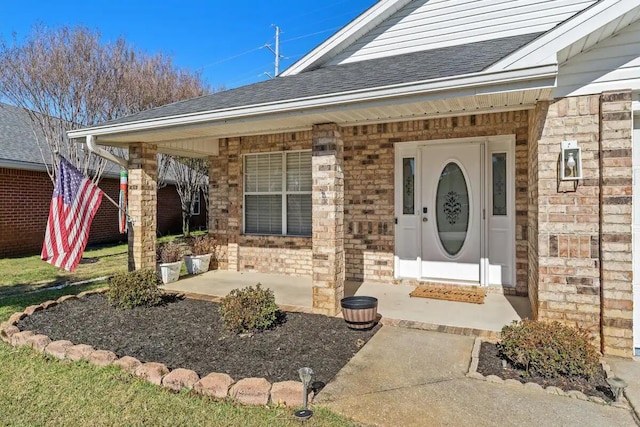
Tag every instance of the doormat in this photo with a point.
(471, 294)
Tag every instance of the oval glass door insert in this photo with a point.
(452, 208)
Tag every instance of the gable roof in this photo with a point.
(406, 68)
(17, 139)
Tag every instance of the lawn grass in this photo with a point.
(37, 390)
(21, 274)
(26, 271)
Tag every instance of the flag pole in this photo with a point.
(104, 194)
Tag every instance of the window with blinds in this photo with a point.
(277, 193)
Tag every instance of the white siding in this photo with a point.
(431, 24)
(613, 63)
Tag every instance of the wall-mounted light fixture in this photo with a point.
(571, 161)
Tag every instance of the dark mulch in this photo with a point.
(186, 333)
(490, 363)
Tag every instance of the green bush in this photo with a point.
(549, 349)
(134, 288)
(249, 309)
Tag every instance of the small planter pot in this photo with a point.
(360, 312)
(170, 272)
(197, 264)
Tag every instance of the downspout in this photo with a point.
(101, 152)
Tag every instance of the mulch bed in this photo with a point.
(186, 333)
(490, 363)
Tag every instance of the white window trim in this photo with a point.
(284, 193)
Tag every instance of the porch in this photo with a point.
(294, 293)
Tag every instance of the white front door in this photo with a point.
(455, 211)
(451, 212)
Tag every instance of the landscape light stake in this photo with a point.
(617, 386)
(305, 376)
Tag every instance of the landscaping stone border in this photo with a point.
(575, 394)
(248, 391)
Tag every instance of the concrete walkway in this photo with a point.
(628, 370)
(408, 377)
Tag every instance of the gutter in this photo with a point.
(327, 101)
(101, 152)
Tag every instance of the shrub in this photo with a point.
(203, 245)
(134, 288)
(169, 252)
(249, 309)
(549, 349)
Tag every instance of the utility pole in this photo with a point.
(276, 52)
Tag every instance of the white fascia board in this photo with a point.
(17, 164)
(345, 36)
(580, 25)
(447, 84)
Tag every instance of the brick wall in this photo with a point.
(239, 252)
(25, 197)
(369, 186)
(568, 276)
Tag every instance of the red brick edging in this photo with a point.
(248, 391)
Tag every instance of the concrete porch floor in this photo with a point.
(394, 304)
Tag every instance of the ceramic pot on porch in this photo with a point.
(170, 271)
(360, 312)
(197, 264)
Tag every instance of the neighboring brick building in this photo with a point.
(26, 189)
(456, 142)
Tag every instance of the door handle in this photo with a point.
(425, 219)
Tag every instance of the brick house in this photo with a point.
(25, 194)
(423, 142)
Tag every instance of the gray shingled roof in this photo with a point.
(17, 141)
(406, 68)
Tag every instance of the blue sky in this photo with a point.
(223, 39)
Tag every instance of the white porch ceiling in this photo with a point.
(202, 139)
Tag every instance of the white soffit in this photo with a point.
(203, 137)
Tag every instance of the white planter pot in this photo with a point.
(197, 264)
(170, 272)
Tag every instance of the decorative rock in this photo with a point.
(494, 379)
(66, 298)
(596, 399)
(475, 375)
(38, 342)
(513, 382)
(575, 394)
(20, 338)
(152, 372)
(32, 309)
(180, 378)
(58, 349)
(48, 304)
(288, 393)
(102, 357)
(214, 385)
(251, 391)
(533, 386)
(16, 317)
(79, 352)
(127, 363)
(7, 331)
(554, 390)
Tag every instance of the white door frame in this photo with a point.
(408, 229)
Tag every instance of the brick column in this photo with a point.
(143, 188)
(616, 227)
(327, 219)
(219, 201)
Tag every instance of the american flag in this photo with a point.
(75, 202)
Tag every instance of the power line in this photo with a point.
(231, 57)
